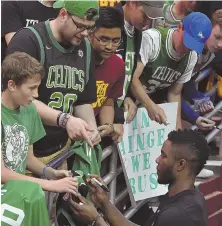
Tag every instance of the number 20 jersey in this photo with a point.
(65, 80)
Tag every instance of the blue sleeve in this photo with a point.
(187, 113)
(190, 92)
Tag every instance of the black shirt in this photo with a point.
(65, 82)
(19, 14)
(208, 7)
(187, 208)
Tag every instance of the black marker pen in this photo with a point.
(104, 187)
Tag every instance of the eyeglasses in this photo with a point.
(105, 42)
(81, 28)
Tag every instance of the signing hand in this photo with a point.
(131, 109)
(77, 130)
(84, 210)
(98, 195)
(157, 114)
(204, 123)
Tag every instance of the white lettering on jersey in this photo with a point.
(8, 208)
(31, 22)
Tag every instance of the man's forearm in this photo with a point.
(86, 113)
(114, 217)
(176, 98)
(106, 114)
(47, 114)
(36, 166)
(140, 94)
(8, 175)
(101, 222)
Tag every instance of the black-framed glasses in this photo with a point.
(80, 28)
(105, 42)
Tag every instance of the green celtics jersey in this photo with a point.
(163, 68)
(23, 204)
(129, 64)
(170, 19)
(21, 128)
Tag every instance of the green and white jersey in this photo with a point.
(23, 204)
(169, 18)
(129, 58)
(21, 128)
(205, 59)
(163, 65)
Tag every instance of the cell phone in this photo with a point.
(83, 190)
(104, 187)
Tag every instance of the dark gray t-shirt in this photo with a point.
(187, 208)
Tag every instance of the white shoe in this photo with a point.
(205, 173)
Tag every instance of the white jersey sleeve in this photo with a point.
(189, 69)
(150, 45)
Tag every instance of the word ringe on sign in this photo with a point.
(143, 141)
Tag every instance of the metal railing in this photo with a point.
(56, 162)
(217, 108)
(110, 178)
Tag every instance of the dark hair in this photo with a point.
(19, 66)
(110, 17)
(91, 14)
(192, 146)
(217, 18)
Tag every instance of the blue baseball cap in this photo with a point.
(197, 29)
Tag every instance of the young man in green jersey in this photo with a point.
(167, 62)
(22, 127)
(69, 86)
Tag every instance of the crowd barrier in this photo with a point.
(114, 170)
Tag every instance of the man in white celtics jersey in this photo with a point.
(167, 62)
(174, 12)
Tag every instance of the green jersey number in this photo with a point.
(63, 101)
(11, 210)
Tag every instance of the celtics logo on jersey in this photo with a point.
(15, 147)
